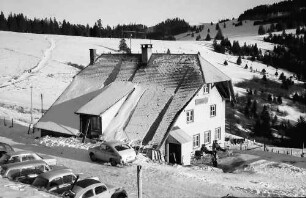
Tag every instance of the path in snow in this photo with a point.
(39, 66)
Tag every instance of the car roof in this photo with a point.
(84, 183)
(55, 173)
(23, 164)
(113, 143)
(3, 146)
(20, 152)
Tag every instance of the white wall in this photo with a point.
(110, 113)
(202, 119)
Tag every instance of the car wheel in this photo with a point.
(93, 157)
(113, 162)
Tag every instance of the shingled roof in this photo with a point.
(170, 81)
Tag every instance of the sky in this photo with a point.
(147, 12)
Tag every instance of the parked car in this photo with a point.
(55, 181)
(5, 148)
(94, 188)
(21, 156)
(114, 152)
(24, 172)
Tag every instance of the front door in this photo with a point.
(174, 153)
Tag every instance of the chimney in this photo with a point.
(146, 52)
(92, 56)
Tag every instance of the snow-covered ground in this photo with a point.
(41, 61)
(242, 175)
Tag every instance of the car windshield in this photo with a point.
(40, 182)
(122, 147)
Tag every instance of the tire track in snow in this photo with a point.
(41, 64)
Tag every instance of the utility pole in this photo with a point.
(139, 181)
(131, 43)
(31, 105)
(42, 104)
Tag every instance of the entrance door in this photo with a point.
(174, 153)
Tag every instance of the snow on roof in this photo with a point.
(110, 95)
(180, 135)
(169, 82)
(211, 73)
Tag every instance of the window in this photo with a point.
(69, 179)
(196, 140)
(28, 158)
(56, 182)
(189, 116)
(100, 189)
(14, 159)
(95, 123)
(212, 110)
(207, 137)
(218, 133)
(88, 194)
(206, 89)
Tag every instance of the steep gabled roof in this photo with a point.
(168, 82)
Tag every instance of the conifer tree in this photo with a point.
(219, 35)
(207, 37)
(261, 30)
(239, 61)
(217, 26)
(3, 22)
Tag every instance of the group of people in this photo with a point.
(215, 147)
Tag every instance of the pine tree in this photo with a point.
(207, 37)
(254, 108)
(219, 35)
(3, 22)
(239, 61)
(225, 63)
(217, 26)
(123, 46)
(261, 30)
(265, 117)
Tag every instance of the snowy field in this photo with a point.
(42, 61)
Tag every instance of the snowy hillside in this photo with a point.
(229, 29)
(44, 62)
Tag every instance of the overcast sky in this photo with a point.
(147, 12)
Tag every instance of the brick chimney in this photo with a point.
(92, 56)
(146, 52)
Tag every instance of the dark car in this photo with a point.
(5, 148)
(91, 187)
(21, 156)
(55, 181)
(24, 172)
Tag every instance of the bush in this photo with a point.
(198, 37)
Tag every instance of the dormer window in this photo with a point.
(206, 89)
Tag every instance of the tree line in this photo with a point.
(20, 23)
(288, 54)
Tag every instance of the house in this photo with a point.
(173, 102)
